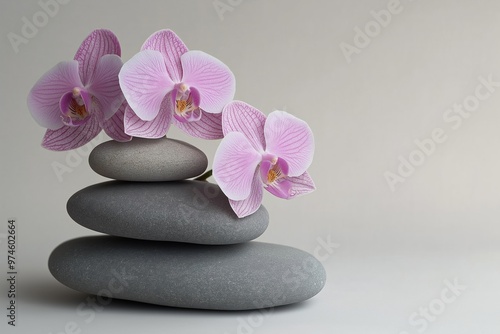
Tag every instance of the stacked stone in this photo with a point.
(172, 241)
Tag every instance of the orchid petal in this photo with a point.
(71, 137)
(114, 126)
(155, 128)
(241, 117)
(100, 42)
(104, 84)
(44, 97)
(208, 127)
(291, 187)
(234, 166)
(145, 82)
(290, 139)
(301, 185)
(213, 79)
(172, 48)
(251, 204)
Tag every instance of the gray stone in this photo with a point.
(148, 160)
(246, 276)
(184, 211)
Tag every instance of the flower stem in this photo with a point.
(204, 176)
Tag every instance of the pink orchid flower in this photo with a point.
(257, 153)
(165, 83)
(76, 99)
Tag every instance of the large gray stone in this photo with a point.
(148, 160)
(183, 211)
(236, 277)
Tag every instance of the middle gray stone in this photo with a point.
(183, 211)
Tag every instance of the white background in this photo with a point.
(396, 247)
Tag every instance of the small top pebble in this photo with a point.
(148, 160)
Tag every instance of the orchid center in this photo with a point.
(272, 170)
(273, 175)
(187, 101)
(184, 102)
(73, 108)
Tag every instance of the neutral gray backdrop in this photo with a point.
(394, 249)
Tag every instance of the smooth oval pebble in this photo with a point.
(233, 277)
(183, 211)
(148, 160)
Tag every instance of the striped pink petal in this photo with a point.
(301, 185)
(114, 126)
(172, 48)
(212, 78)
(71, 137)
(104, 85)
(145, 82)
(238, 116)
(290, 139)
(156, 128)
(234, 166)
(251, 204)
(100, 42)
(208, 127)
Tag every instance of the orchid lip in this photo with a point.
(74, 107)
(189, 117)
(273, 170)
(186, 103)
